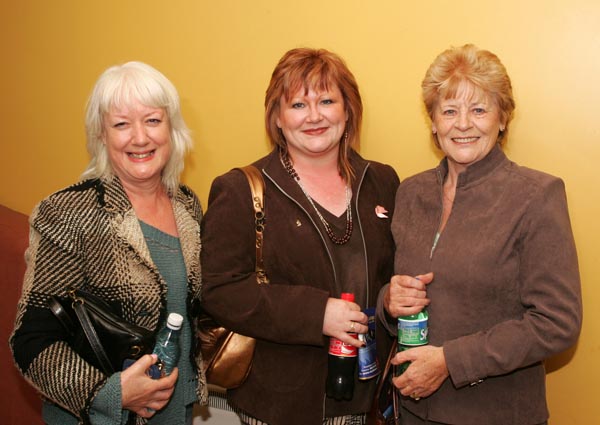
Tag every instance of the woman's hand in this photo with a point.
(426, 372)
(142, 394)
(344, 317)
(406, 295)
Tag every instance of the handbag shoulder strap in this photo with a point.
(257, 187)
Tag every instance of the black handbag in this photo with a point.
(98, 333)
(386, 404)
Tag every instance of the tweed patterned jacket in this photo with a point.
(88, 236)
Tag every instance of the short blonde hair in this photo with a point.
(479, 67)
(317, 69)
(121, 86)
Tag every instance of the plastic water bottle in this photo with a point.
(167, 343)
(342, 364)
(413, 331)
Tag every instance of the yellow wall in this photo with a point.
(220, 55)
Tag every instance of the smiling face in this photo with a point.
(138, 142)
(313, 122)
(467, 126)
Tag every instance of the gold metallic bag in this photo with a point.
(226, 355)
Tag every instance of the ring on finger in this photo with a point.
(150, 410)
(414, 397)
(352, 326)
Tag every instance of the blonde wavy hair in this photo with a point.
(481, 68)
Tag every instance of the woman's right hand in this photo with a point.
(142, 394)
(407, 295)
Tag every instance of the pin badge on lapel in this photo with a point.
(381, 212)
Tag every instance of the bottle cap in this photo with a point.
(174, 321)
(347, 296)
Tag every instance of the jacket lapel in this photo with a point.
(124, 220)
(189, 235)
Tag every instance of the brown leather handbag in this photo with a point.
(386, 404)
(226, 355)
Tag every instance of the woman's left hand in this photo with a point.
(425, 374)
(343, 318)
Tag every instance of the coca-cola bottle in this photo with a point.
(342, 365)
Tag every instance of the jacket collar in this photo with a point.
(273, 168)
(113, 198)
(476, 171)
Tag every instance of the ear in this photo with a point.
(433, 128)
(278, 122)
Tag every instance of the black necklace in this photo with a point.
(285, 159)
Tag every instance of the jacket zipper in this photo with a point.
(325, 242)
(361, 233)
(436, 236)
(311, 220)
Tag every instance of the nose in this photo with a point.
(140, 136)
(314, 114)
(463, 122)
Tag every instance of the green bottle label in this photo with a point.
(413, 330)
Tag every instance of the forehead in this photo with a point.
(465, 92)
(133, 106)
(304, 90)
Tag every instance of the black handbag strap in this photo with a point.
(257, 187)
(90, 333)
(63, 317)
(375, 416)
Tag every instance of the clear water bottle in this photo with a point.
(167, 343)
(341, 365)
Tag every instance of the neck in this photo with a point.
(454, 170)
(144, 191)
(147, 200)
(321, 168)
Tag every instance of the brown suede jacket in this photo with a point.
(506, 293)
(287, 381)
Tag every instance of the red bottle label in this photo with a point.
(341, 349)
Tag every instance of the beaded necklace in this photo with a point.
(285, 159)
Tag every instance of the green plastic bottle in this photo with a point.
(413, 331)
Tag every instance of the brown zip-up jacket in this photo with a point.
(506, 293)
(286, 385)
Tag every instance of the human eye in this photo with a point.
(297, 105)
(327, 101)
(449, 112)
(479, 110)
(120, 124)
(154, 121)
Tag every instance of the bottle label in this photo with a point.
(341, 349)
(412, 332)
(368, 367)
